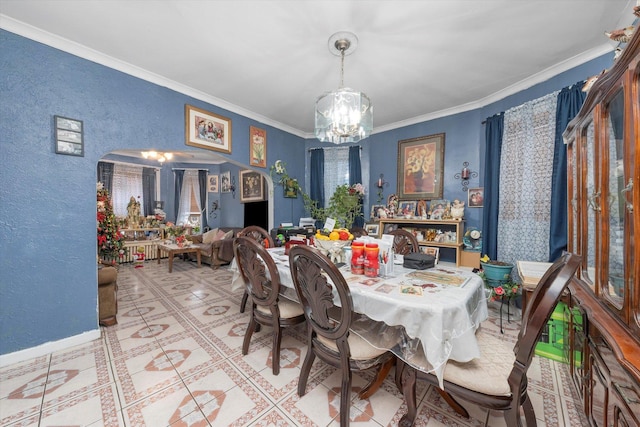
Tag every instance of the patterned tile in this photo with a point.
(174, 358)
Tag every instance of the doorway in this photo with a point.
(257, 213)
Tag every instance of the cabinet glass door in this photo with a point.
(592, 198)
(616, 201)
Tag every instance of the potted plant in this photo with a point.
(495, 272)
(344, 205)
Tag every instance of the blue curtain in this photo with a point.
(149, 190)
(355, 177)
(493, 137)
(570, 100)
(202, 182)
(316, 178)
(177, 189)
(105, 175)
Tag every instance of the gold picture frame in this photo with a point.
(207, 130)
(257, 147)
(421, 167)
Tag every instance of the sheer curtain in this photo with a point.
(526, 166)
(189, 197)
(127, 182)
(336, 171)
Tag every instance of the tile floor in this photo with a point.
(174, 359)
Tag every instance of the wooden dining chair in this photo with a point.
(498, 379)
(358, 232)
(260, 235)
(404, 242)
(268, 307)
(328, 326)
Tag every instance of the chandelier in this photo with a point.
(160, 157)
(344, 115)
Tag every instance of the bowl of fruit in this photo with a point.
(332, 243)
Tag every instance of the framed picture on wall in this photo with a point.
(251, 188)
(257, 147)
(212, 183)
(421, 167)
(207, 130)
(225, 182)
(68, 135)
(476, 197)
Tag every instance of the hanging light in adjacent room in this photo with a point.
(160, 157)
(344, 115)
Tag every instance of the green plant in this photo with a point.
(344, 205)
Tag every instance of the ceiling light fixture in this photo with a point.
(344, 115)
(160, 157)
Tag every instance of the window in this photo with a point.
(190, 208)
(127, 182)
(336, 170)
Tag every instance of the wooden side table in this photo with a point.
(172, 249)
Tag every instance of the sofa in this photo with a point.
(216, 246)
(107, 295)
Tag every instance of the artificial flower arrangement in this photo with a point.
(180, 240)
(172, 230)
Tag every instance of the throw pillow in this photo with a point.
(220, 235)
(228, 234)
(209, 236)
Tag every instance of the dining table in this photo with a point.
(426, 317)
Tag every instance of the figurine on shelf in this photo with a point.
(133, 213)
(457, 210)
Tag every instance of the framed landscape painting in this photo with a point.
(207, 130)
(421, 167)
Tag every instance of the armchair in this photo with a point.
(218, 251)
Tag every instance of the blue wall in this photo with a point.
(47, 201)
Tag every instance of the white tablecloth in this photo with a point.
(435, 318)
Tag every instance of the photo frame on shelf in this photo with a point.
(251, 188)
(225, 182)
(375, 213)
(389, 227)
(372, 229)
(69, 136)
(212, 183)
(421, 167)
(476, 197)
(207, 130)
(421, 209)
(438, 208)
(430, 250)
(407, 208)
(257, 147)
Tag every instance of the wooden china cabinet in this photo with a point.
(603, 315)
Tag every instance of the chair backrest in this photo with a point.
(259, 271)
(258, 234)
(358, 232)
(538, 312)
(404, 242)
(309, 271)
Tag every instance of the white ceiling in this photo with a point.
(269, 60)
